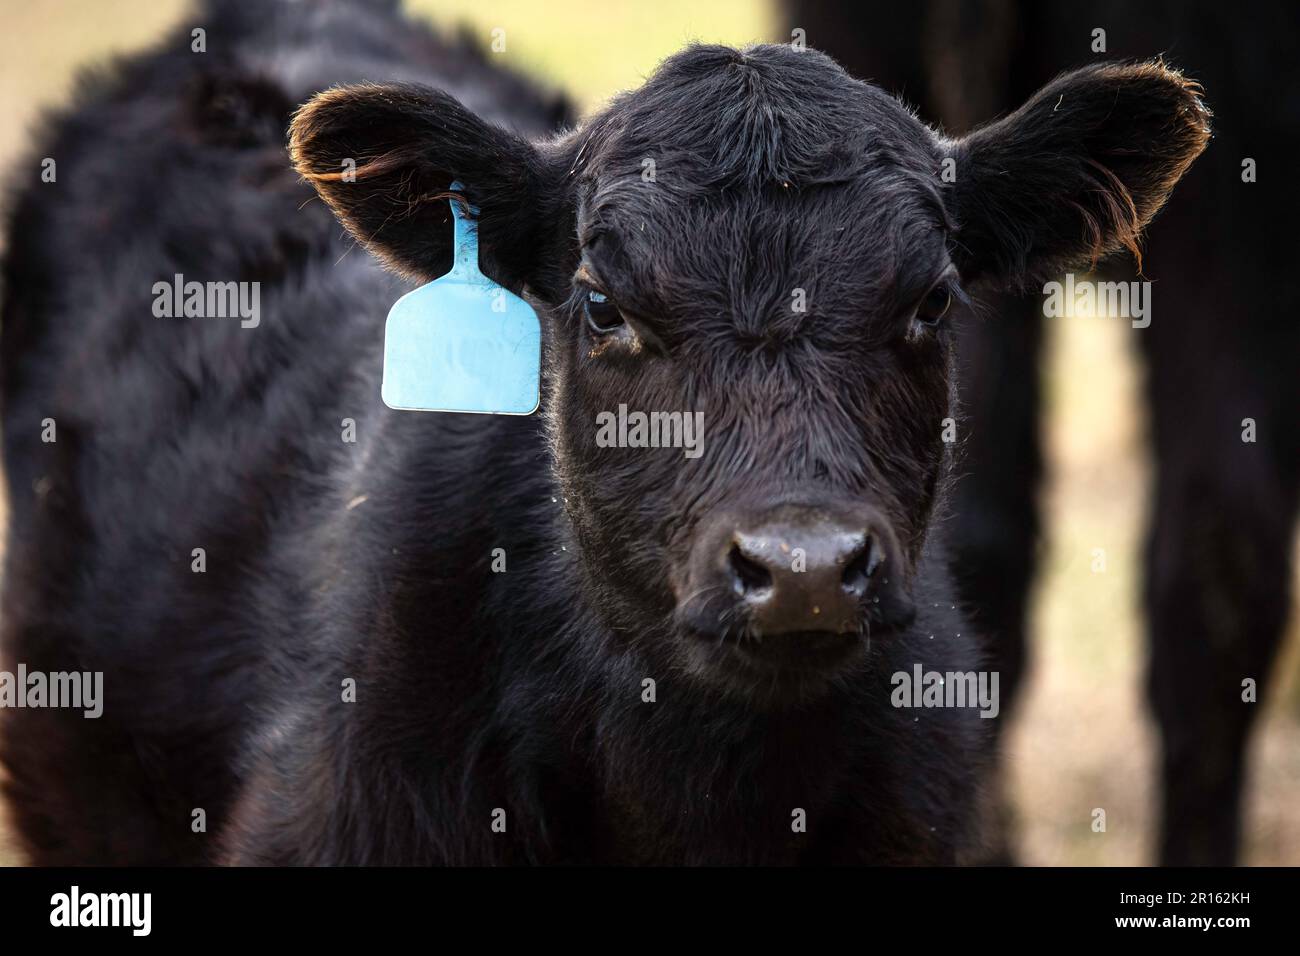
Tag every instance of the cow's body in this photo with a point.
(329, 561)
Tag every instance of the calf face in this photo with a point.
(755, 236)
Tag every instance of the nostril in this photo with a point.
(859, 571)
(747, 575)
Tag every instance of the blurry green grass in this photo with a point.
(595, 49)
(1083, 737)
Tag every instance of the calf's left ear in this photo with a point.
(383, 158)
(1074, 174)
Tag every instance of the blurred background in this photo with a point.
(1082, 736)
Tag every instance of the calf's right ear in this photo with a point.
(383, 158)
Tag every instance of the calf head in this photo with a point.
(757, 237)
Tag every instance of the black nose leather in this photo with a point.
(797, 577)
(794, 569)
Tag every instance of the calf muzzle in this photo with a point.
(795, 569)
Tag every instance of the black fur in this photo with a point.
(329, 561)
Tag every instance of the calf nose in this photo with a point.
(802, 578)
(796, 569)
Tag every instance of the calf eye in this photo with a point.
(935, 305)
(603, 315)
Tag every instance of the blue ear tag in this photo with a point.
(462, 343)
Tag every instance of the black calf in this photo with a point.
(462, 639)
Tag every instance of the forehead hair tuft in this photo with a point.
(765, 118)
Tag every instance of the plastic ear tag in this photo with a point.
(462, 343)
